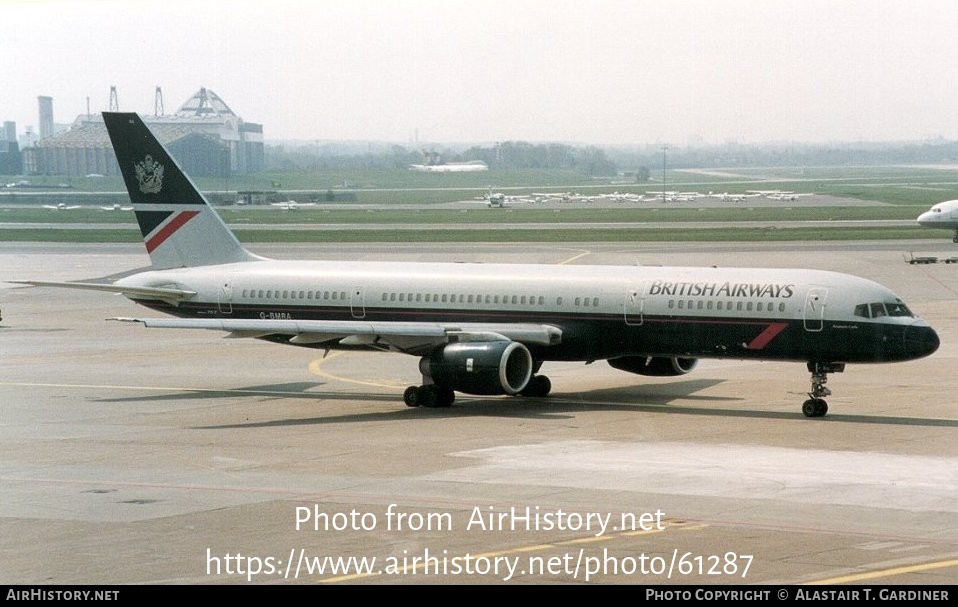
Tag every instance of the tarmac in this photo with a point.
(138, 456)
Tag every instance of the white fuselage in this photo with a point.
(739, 309)
(941, 215)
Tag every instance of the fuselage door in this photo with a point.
(224, 296)
(634, 305)
(814, 315)
(357, 302)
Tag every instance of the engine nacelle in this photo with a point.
(496, 367)
(658, 366)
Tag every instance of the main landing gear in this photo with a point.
(816, 406)
(435, 395)
(429, 395)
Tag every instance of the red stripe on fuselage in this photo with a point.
(169, 229)
(766, 336)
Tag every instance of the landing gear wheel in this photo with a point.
(412, 396)
(444, 397)
(538, 386)
(427, 396)
(814, 407)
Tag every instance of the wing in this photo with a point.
(407, 337)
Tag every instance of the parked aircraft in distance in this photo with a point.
(726, 197)
(292, 205)
(500, 200)
(943, 215)
(62, 206)
(779, 194)
(487, 329)
(116, 207)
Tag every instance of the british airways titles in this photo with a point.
(722, 289)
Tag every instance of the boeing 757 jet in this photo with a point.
(488, 329)
(942, 215)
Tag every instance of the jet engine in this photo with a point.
(497, 367)
(658, 366)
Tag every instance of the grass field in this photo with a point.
(903, 193)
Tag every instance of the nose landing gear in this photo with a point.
(816, 406)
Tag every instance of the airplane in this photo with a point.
(778, 194)
(61, 206)
(469, 166)
(487, 329)
(941, 215)
(500, 200)
(726, 197)
(291, 205)
(789, 196)
(116, 207)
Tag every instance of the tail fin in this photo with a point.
(179, 227)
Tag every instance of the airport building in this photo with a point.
(207, 138)
(10, 158)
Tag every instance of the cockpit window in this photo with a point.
(898, 309)
(877, 310)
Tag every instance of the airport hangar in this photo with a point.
(207, 137)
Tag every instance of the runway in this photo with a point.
(134, 456)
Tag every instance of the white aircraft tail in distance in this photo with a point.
(489, 329)
(943, 215)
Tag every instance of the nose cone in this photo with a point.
(920, 340)
(928, 219)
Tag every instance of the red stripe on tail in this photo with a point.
(169, 229)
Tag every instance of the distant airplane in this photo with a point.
(500, 200)
(778, 194)
(116, 207)
(726, 197)
(672, 196)
(61, 206)
(292, 205)
(943, 215)
(786, 196)
(451, 167)
(621, 197)
(487, 328)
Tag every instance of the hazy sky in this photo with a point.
(589, 71)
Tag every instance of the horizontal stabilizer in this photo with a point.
(166, 294)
